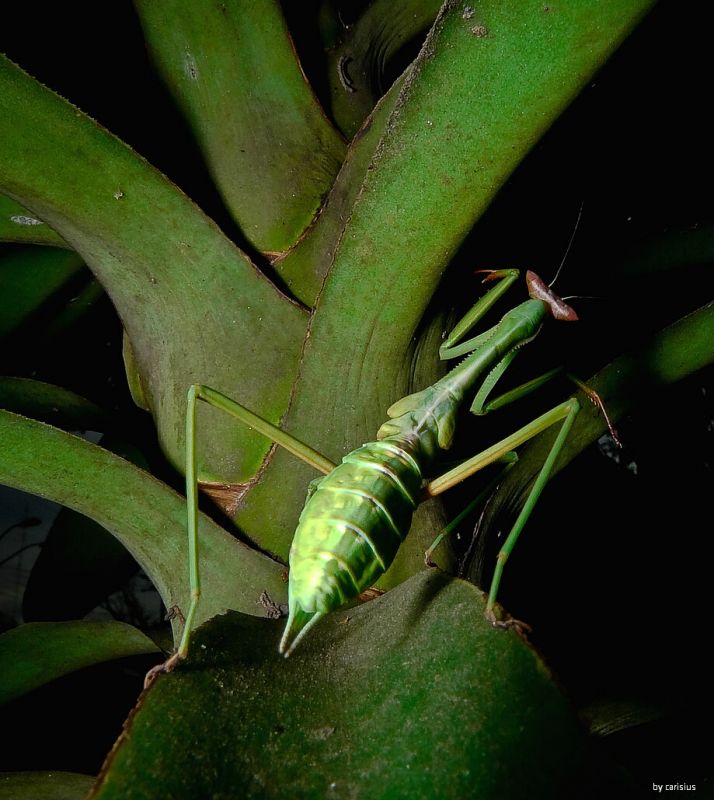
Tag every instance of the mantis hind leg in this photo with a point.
(300, 449)
(572, 407)
(194, 575)
(509, 459)
(566, 413)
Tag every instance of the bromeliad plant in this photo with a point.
(326, 313)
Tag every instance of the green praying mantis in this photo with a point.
(358, 513)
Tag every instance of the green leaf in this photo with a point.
(194, 307)
(412, 695)
(29, 278)
(17, 224)
(233, 70)
(144, 514)
(47, 785)
(51, 404)
(38, 652)
(304, 267)
(470, 109)
(357, 65)
(87, 294)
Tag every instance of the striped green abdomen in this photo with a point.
(352, 526)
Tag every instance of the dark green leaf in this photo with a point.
(38, 652)
(51, 404)
(45, 785)
(233, 70)
(29, 277)
(17, 224)
(80, 563)
(144, 514)
(194, 307)
(357, 65)
(413, 695)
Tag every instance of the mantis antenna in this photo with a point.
(570, 244)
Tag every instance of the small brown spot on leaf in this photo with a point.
(480, 31)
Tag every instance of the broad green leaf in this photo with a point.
(144, 514)
(675, 352)
(51, 404)
(17, 224)
(412, 695)
(357, 65)
(234, 72)
(481, 93)
(194, 307)
(38, 652)
(29, 278)
(46, 785)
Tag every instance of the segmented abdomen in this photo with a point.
(352, 526)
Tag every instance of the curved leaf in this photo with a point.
(17, 224)
(233, 70)
(144, 514)
(48, 785)
(79, 304)
(193, 305)
(357, 65)
(38, 652)
(470, 108)
(29, 277)
(51, 404)
(304, 267)
(412, 695)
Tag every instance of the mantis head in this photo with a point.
(539, 290)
